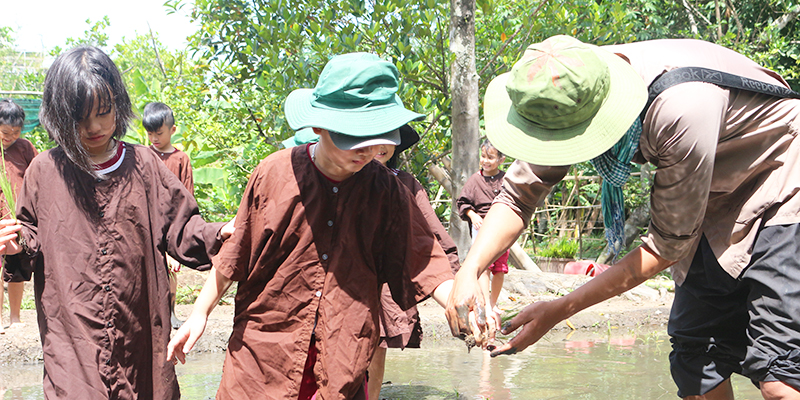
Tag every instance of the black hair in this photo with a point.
(156, 115)
(486, 145)
(11, 113)
(408, 137)
(77, 80)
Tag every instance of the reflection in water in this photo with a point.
(580, 365)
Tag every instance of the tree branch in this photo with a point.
(509, 40)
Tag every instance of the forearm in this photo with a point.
(215, 287)
(635, 268)
(501, 227)
(442, 292)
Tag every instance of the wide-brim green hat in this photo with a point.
(563, 103)
(356, 95)
(303, 136)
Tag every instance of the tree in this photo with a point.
(465, 110)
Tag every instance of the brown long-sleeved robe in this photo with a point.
(100, 281)
(179, 163)
(17, 157)
(311, 255)
(478, 194)
(400, 329)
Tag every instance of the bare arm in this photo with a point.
(215, 287)
(501, 227)
(538, 318)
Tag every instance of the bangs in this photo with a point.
(91, 92)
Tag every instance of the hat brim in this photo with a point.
(347, 142)
(522, 139)
(301, 113)
(303, 136)
(408, 137)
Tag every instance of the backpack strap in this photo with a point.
(719, 78)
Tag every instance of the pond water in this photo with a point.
(582, 365)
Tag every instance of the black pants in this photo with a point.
(720, 325)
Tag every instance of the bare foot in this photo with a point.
(16, 325)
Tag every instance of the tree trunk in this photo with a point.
(464, 92)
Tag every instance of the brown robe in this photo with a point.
(311, 255)
(478, 194)
(179, 163)
(17, 157)
(400, 329)
(101, 284)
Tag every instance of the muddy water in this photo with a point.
(600, 365)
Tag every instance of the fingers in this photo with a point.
(504, 350)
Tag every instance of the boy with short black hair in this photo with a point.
(321, 227)
(17, 155)
(159, 122)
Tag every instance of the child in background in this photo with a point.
(159, 122)
(321, 227)
(473, 203)
(401, 329)
(95, 216)
(17, 155)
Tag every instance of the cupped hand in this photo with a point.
(477, 221)
(465, 299)
(185, 338)
(536, 320)
(227, 230)
(9, 232)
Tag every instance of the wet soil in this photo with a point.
(642, 307)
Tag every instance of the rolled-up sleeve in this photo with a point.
(525, 187)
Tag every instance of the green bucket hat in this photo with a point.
(356, 95)
(562, 103)
(303, 136)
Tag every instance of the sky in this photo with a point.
(43, 24)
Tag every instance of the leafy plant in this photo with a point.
(5, 185)
(561, 248)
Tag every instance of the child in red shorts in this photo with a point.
(473, 204)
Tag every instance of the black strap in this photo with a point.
(719, 78)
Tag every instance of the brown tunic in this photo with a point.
(400, 329)
(478, 193)
(308, 251)
(17, 158)
(101, 284)
(178, 162)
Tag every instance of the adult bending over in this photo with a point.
(724, 210)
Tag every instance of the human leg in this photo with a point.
(375, 371)
(172, 268)
(707, 326)
(773, 356)
(15, 292)
(722, 392)
(499, 269)
(777, 390)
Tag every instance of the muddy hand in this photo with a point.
(535, 319)
(465, 297)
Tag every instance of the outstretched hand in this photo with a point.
(466, 300)
(536, 320)
(9, 229)
(186, 337)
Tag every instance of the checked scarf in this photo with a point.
(614, 166)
